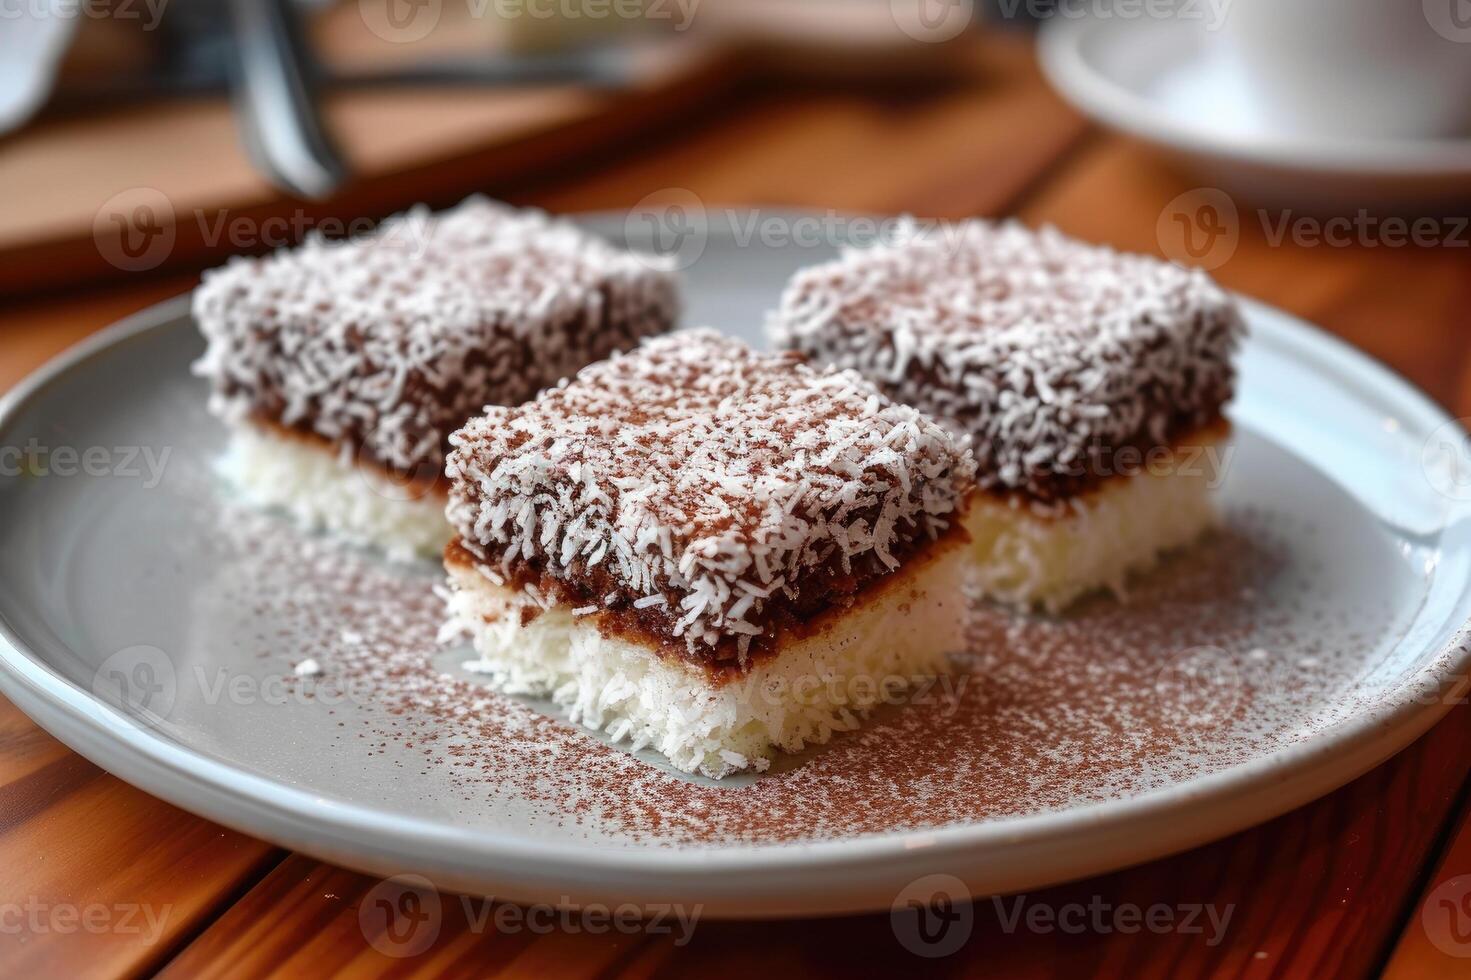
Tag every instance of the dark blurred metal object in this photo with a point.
(275, 91)
(256, 50)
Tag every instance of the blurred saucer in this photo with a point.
(1175, 84)
(31, 47)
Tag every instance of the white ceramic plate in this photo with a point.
(146, 623)
(1174, 84)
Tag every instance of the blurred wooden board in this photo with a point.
(74, 184)
(1436, 941)
(94, 195)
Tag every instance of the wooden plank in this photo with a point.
(1313, 893)
(102, 879)
(950, 152)
(73, 839)
(1436, 941)
(183, 161)
(312, 919)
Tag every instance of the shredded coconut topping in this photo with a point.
(702, 479)
(1051, 353)
(388, 342)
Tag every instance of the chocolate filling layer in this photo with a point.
(826, 593)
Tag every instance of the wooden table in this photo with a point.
(1351, 885)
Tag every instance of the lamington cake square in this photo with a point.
(342, 366)
(1091, 383)
(708, 550)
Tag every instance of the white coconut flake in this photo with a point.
(385, 343)
(728, 474)
(1047, 351)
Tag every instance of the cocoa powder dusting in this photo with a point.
(1199, 671)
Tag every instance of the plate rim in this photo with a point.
(1266, 785)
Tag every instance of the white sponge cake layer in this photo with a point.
(900, 633)
(326, 489)
(1040, 557)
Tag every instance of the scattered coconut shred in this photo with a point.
(1047, 350)
(706, 481)
(1200, 671)
(387, 342)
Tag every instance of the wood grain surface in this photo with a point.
(1337, 888)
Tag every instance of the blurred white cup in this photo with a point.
(1397, 69)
